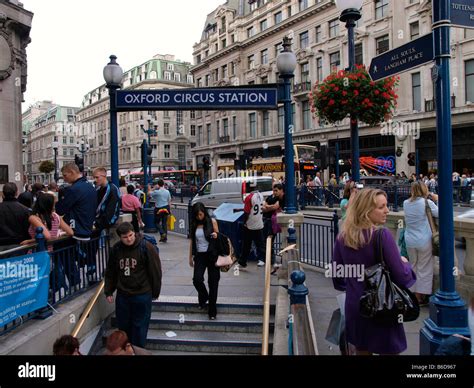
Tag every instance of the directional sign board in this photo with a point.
(403, 58)
(462, 13)
(230, 98)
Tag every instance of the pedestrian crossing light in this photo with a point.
(149, 159)
(411, 159)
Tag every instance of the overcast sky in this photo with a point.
(72, 40)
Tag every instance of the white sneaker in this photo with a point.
(260, 263)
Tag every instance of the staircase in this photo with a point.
(178, 327)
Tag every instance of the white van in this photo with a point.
(232, 190)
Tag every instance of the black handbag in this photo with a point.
(384, 301)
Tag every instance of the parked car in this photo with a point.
(231, 190)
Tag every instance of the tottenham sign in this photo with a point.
(233, 98)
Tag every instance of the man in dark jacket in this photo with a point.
(78, 204)
(14, 219)
(108, 199)
(134, 270)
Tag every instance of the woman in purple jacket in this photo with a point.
(354, 251)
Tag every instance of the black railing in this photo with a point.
(430, 105)
(302, 87)
(76, 266)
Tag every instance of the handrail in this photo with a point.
(88, 309)
(266, 299)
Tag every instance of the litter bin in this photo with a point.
(149, 220)
(231, 223)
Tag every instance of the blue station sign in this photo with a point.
(462, 13)
(403, 58)
(230, 98)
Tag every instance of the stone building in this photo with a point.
(239, 45)
(15, 26)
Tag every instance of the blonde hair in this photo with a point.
(357, 218)
(100, 170)
(418, 189)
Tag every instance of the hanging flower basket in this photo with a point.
(354, 94)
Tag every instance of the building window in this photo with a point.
(232, 68)
(319, 69)
(278, 49)
(170, 67)
(166, 128)
(225, 73)
(179, 120)
(167, 151)
(224, 43)
(318, 37)
(381, 8)
(193, 130)
(382, 44)
(190, 79)
(305, 72)
(334, 28)
(264, 57)
(199, 139)
(208, 131)
(306, 115)
(177, 77)
(304, 39)
(359, 56)
(288, 10)
(263, 25)
(416, 91)
(414, 30)
(253, 125)
(251, 61)
(234, 127)
(225, 124)
(167, 75)
(208, 80)
(281, 119)
(278, 17)
(469, 68)
(265, 123)
(303, 4)
(250, 32)
(334, 61)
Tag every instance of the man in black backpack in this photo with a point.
(134, 270)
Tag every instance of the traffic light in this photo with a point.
(79, 161)
(143, 147)
(149, 158)
(399, 152)
(412, 159)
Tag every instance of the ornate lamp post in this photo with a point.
(113, 74)
(286, 65)
(350, 13)
(55, 146)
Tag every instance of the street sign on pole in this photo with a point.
(403, 58)
(228, 98)
(462, 13)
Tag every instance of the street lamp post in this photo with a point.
(447, 310)
(113, 74)
(286, 65)
(350, 13)
(151, 131)
(55, 146)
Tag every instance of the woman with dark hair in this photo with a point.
(44, 216)
(201, 256)
(123, 186)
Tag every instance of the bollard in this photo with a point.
(298, 290)
(149, 220)
(40, 240)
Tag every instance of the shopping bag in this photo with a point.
(336, 327)
(171, 221)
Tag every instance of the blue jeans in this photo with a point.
(133, 316)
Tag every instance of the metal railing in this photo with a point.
(266, 299)
(69, 277)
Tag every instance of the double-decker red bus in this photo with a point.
(173, 179)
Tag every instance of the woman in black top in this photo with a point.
(202, 255)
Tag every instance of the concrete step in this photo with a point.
(241, 323)
(206, 342)
(224, 305)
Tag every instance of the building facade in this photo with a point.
(239, 45)
(54, 128)
(15, 26)
(174, 135)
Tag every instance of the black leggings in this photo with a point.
(201, 262)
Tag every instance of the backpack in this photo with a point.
(151, 240)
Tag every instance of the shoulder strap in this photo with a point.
(430, 217)
(378, 246)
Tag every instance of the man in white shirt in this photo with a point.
(253, 227)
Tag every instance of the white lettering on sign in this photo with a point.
(463, 7)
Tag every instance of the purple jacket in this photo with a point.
(363, 333)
